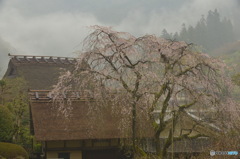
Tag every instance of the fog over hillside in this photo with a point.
(57, 27)
(4, 49)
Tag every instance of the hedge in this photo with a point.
(12, 151)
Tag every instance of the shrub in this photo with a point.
(12, 151)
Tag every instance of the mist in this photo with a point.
(5, 48)
(58, 27)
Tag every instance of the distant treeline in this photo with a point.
(210, 33)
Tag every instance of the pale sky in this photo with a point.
(57, 27)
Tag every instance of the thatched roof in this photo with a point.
(100, 123)
(40, 72)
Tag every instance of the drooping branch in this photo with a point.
(151, 73)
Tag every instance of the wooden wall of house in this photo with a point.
(79, 148)
(73, 154)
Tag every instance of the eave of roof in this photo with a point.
(32, 59)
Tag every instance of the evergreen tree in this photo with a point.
(166, 35)
(183, 33)
(175, 37)
(200, 32)
(191, 34)
(209, 33)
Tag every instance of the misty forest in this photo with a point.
(168, 95)
(209, 33)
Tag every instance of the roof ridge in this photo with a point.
(40, 56)
(29, 59)
(47, 95)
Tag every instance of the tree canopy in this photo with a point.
(6, 124)
(151, 74)
(14, 112)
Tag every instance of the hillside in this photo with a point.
(227, 49)
(230, 54)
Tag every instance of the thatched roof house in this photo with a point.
(83, 133)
